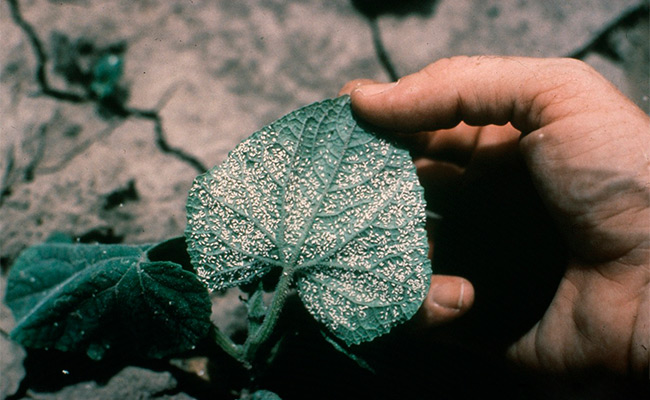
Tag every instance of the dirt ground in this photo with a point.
(112, 160)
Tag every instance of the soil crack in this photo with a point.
(601, 43)
(111, 106)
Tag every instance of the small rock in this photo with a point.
(11, 365)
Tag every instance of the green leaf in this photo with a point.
(92, 298)
(331, 204)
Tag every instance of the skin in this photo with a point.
(585, 147)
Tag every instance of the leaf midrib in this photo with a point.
(325, 188)
(57, 289)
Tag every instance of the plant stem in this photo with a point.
(232, 349)
(257, 338)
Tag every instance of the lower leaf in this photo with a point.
(96, 298)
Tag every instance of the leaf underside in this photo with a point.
(329, 202)
(92, 298)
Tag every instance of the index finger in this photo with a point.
(480, 90)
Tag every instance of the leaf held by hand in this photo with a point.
(328, 202)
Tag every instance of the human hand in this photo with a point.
(585, 147)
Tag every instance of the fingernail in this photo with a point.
(375, 88)
(449, 295)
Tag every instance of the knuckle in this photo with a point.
(575, 67)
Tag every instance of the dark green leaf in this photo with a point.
(173, 250)
(76, 297)
(329, 203)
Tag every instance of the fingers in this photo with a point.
(454, 145)
(463, 143)
(476, 90)
(449, 297)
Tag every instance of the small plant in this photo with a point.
(316, 204)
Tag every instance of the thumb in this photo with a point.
(351, 86)
(449, 297)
